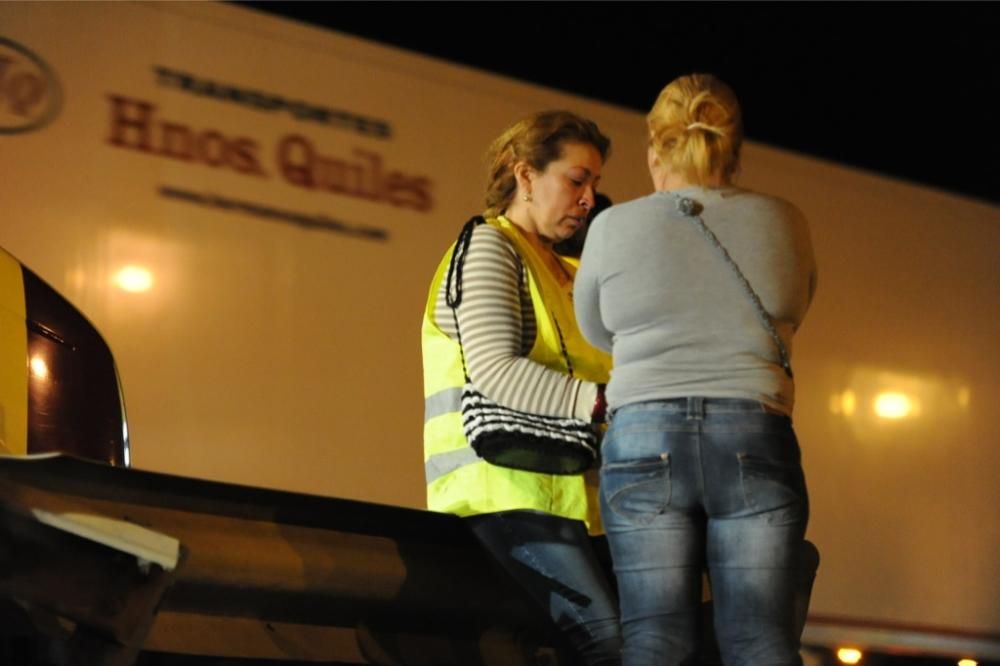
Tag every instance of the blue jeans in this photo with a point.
(694, 482)
(553, 560)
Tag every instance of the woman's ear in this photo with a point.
(654, 166)
(525, 177)
(652, 159)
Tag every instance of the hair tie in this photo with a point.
(707, 128)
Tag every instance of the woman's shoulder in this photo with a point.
(769, 205)
(490, 239)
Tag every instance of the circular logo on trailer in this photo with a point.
(30, 96)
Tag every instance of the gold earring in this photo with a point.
(527, 197)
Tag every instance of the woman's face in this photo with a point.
(562, 195)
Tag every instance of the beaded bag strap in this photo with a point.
(691, 210)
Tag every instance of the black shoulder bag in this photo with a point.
(508, 437)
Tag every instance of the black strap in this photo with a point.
(453, 284)
(691, 209)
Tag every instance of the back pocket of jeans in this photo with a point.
(639, 490)
(770, 484)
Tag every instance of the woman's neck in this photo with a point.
(527, 230)
(671, 181)
(545, 249)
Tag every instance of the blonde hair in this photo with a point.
(536, 140)
(696, 128)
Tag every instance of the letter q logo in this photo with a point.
(30, 97)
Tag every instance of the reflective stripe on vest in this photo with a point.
(447, 401)
(444, 463)
(443, 402)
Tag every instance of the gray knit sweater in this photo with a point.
(652, 290)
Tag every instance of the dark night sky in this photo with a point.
(902, 89)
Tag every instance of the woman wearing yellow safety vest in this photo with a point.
(515, 307)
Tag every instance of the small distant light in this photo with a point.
(964, 395)
(848, 402)
(134, 279)
(968, 662)
(842, 403)
(849, 655)
(890, 405)
(39, 368)
(77, 279)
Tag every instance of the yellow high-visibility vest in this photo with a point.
(460, 482)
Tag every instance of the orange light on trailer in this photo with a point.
(39, 368)
(849, 655)
(134, 279)
(894, 405)
(844, 403)
(964, 395)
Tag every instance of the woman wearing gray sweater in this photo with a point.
(701, 466)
